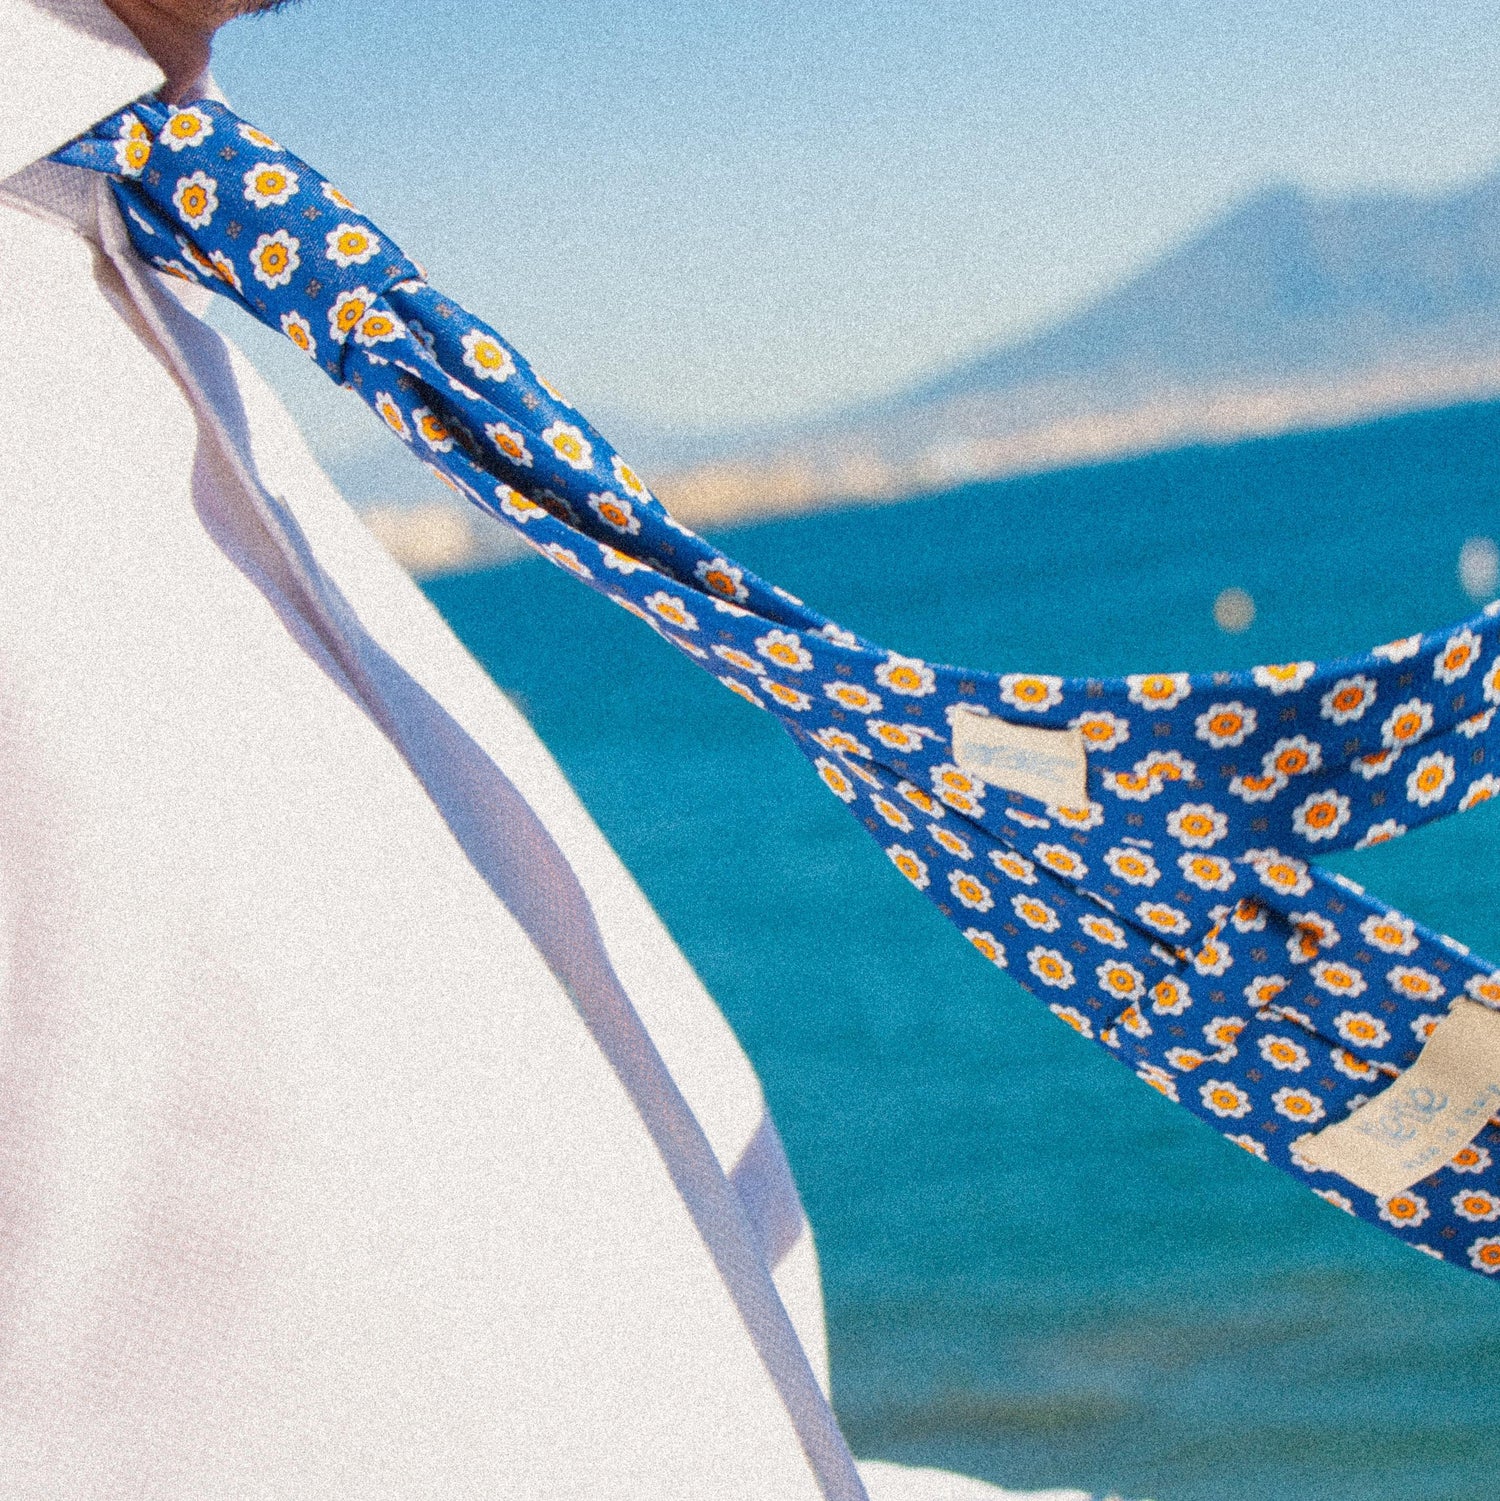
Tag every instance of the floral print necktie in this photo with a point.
(1137, 852)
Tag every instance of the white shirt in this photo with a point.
(362, 1131)
(313, 1177)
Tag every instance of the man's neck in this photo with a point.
(177, 33)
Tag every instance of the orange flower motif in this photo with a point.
(1403, 1209)
(1223, 725)
(1101, 731)
(987, 945)
(910, 865)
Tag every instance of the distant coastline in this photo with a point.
(1287, 313)
(437, 538)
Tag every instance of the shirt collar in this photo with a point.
(66, 64)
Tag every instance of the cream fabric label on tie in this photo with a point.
(1434, 1110)
(1049, 765)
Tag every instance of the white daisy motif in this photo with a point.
(1340, 979)
(519, 508)
(1050, 967)
(299, 331)
(569, 444)
(1121, 981)
(626, 478)
(195, 199)
(1170, 996)
(348, 308)
(906, 675)
(1406, 724)
(1030, 692)
(1334, 1197)
(1459, 654)
(1477, 1206)
(836, 780)
(1380, 833)
(432, 430)
(1073, 1017)
(1283, 874)
(1158, 690)
(1206, 872)
(898, 737)
(1225, 725)
(1348, 699)
(744, 690)
(132, 149)
(1480, 790)
(350, 245)
(269, 185)
(1159, 1079)
(274, 258)
(743, 660)
(910, 864)
(186, 127)
(378, 326)
(509, 442)
(789, 698)
(1062, 861)
(1163, 917)
(1414, 983)
(1197, 826)
(1361, 1029)
(1134, 867)
(1283, 677)
(1471, 1159)
(987, 944)
(670, 608)
(1103, 930)
(1292, 756)
(1398, 651)
(1017, 867)
(1298, 1104)
(1034, 912)
(1484, 1255)
(1284, 1053)
(1404, 1210)
(566, 558)
(1391, 934)
(853, 696)
(1430, 779)
(1485, 989)
(486, 356)
(1321, 815)
(1224, 1099)
(1101, 731)
(391, 414)
(257, 137)
(786, 650)
(970, 891)
(619, 515)
(1253, 788)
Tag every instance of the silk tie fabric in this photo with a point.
(1170, 911)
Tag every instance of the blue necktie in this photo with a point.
(1136, 852)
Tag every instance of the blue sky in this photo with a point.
(724, 212)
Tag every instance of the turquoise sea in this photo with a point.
(1038, 1270)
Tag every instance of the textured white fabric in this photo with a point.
(362, 1131)
(336, 1153)
(891, 1482)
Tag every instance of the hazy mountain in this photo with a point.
(1283, 284)
(1289, 310)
